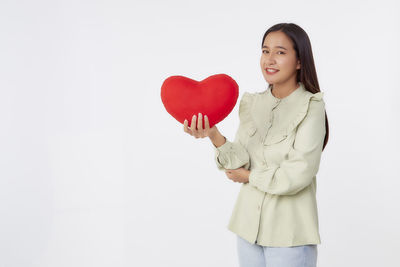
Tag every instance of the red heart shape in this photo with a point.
(214, 96)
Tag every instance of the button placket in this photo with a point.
(269, 123)
(259, 206)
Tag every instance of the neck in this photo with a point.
(283, 90)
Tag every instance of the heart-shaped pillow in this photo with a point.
(214, 96)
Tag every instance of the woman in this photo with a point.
(276, 155)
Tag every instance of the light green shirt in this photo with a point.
(280, 141)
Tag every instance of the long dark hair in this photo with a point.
(307, 73)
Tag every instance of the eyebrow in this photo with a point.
(265, 46)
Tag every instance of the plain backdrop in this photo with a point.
(95, 172)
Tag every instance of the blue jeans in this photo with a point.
(254, 255)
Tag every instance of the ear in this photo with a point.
(298, 65)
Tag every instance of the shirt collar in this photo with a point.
(292, 96)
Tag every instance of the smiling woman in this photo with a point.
(276, 155)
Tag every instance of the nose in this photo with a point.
(270, 59)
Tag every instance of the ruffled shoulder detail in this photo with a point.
(245, 106)
(317, 96)
(277, 137)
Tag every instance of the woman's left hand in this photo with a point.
(240, 175)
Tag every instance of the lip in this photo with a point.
(269, 73)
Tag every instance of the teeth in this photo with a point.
(271, 70)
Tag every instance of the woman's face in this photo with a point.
(278, 54)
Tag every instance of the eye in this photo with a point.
(278, 52)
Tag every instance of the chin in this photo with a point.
(271, 81)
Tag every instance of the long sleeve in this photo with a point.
(231, 155)
(301, 165)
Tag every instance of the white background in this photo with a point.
(95, 172)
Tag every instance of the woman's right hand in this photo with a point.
(200, 131)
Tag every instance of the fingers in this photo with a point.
(185, 127)
(231, 175)
(202, 131)
(198, 131)
(193, 126)
(200, 122)
(207, 123)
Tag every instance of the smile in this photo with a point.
(271, 71)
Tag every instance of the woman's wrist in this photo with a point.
(217, 139)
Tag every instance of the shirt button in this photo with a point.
(259, 207)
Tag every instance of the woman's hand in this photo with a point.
(199, 131)
(240, 175)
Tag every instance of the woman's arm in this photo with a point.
(301, 166)
(217, 139)
(230, 155)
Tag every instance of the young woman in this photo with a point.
(276, 155)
